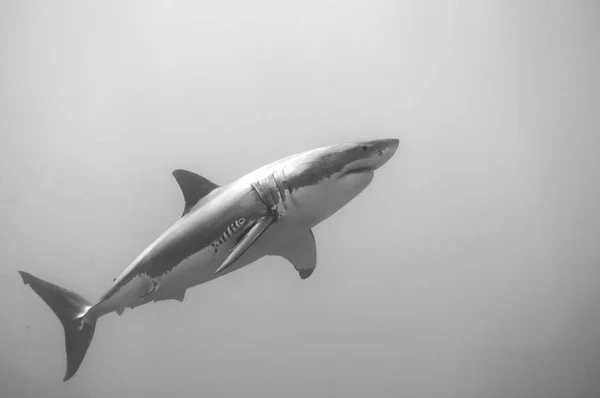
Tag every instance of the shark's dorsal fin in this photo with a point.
(193, 187)
(301, 252)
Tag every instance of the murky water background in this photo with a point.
(469, 267)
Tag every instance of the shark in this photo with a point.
(270, 211)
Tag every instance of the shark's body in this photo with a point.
(269, 211)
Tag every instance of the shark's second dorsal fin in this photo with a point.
(193, 187)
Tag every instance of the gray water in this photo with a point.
(469, 267)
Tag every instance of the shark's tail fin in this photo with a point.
(70, 309)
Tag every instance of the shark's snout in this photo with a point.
(392, 143)
(390, 146)
(384, 150)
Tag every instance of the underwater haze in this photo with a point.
(470, 267)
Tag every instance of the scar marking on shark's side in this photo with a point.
(230, 231)
(155, 285)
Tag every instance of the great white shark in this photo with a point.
(270, 211)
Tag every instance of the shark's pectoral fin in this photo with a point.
(193, 187)
(301, 251)
(246, 241)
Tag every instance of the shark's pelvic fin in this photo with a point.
(247, 240)
(301, 251)
(193, 187)
(179, 297)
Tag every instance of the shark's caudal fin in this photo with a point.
(70, 309)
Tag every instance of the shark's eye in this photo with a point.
(365, 148)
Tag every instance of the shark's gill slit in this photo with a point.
(280, 188)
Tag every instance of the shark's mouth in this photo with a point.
(358, 170)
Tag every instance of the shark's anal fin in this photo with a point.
(193, 187)
(301, 251)
(246, 241)
(179, 296)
